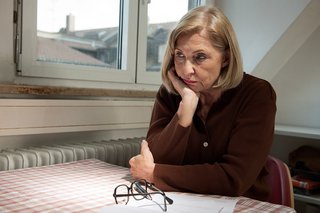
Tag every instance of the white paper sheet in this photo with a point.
(125, 209)
(181, 203)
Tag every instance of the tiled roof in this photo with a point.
(60, 51)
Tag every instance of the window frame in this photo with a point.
(133, 70)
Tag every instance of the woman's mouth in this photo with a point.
(189, 82)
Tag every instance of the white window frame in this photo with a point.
(31, 67)
(133, 68)
(144, 76)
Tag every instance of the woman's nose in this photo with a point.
(188, 68)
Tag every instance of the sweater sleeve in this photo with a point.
(240, 168)
(167, 139)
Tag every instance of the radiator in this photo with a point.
(116, 152)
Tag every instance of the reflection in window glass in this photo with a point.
(81, 32)
(162, 17)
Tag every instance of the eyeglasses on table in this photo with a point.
(140, 189)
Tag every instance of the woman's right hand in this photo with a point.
(189, 102)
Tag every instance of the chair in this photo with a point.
(279, 179)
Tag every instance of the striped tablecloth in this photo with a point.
(80, 186)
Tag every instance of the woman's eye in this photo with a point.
(179, 56)
(200, 57)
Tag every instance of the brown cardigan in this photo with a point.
(224, 150)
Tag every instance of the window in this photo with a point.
(74, 35)
(161, 16)
(95, 40)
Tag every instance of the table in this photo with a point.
(79, 186)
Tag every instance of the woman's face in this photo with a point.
(197, 62)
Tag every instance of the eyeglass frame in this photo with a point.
(142, 192)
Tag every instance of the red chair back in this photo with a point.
(279, 180)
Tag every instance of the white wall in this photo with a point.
(259, 24)
(298, 85)
(32, 116)
(33, 121)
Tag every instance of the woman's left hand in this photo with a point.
(142, 165)
(189, 102)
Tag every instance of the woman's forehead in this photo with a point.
(194, 39)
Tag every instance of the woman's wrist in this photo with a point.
(185, 122)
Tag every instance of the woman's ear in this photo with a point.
(226, 58)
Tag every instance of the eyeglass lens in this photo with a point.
(140, 190)
(122, 192)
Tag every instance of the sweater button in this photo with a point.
(205, 144)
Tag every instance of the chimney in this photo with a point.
(70, 23)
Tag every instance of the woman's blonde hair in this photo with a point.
(222, 36)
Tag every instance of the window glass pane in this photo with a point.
(81, 32)
(162, 16)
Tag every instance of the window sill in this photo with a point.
(64, 92)
(303, 132)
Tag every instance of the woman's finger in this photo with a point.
(176, 82)
(145, 151)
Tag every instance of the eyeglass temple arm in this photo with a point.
(170, 201)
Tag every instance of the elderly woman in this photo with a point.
(212, 124)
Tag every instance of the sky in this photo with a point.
(94, 14)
